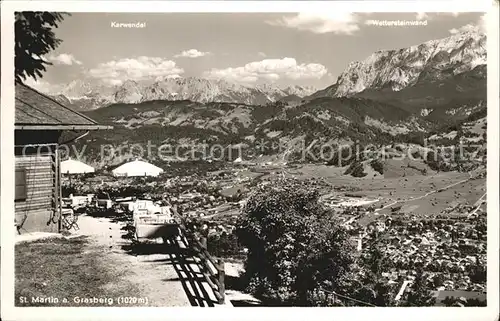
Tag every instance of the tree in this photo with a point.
(377, 166)
(372, 288)
(295, 246)
(419, 294)
(438, 280)
(34, 39)
(223, 245)
(478, 273)
(356, 169)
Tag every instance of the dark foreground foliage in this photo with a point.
(298, 253)
(294, 245)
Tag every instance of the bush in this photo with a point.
(224, 245)
(415, 154)
(435, 161)
(356, 170)
(67, 190)
(377, 166)
(294, 245)
(478, 274)
(419, 295)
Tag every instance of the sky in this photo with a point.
(246, 48)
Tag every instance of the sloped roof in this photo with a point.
(36, 111)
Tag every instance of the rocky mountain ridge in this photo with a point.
(84, 96)
(394, 70)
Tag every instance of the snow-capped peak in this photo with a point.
(397, 69)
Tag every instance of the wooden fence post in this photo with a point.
(222, 285)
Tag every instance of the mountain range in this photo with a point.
(394, 70)
(395, 73)
(83, 95)
(402, 95)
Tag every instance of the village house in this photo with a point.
(39, 127)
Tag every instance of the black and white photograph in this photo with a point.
(250, 159)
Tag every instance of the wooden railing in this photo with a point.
(211, 268)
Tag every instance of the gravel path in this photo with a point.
(164, 279)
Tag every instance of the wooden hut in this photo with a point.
(40, 122)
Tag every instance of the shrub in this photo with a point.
(356, 169)
(415, 154)
(419, 295)
(294, 245)
(224, 245)
(377, 166)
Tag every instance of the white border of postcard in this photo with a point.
(9, 312)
